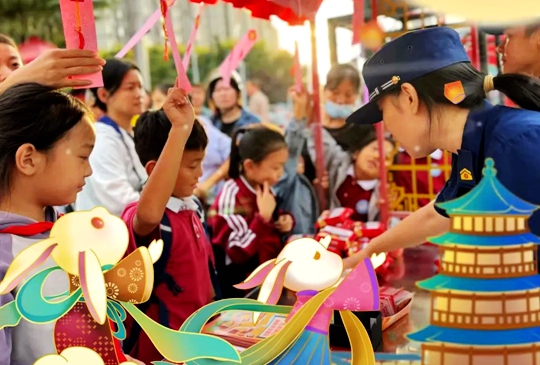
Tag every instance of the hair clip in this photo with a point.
(454, 92)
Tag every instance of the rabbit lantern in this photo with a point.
(90, 247)
(307, 267)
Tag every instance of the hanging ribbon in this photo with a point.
(164, 10)
(78, 27)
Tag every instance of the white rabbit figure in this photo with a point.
(307, 267)
(81, 243)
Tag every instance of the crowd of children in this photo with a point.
(257, 185)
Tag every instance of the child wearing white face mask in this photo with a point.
(341, 94)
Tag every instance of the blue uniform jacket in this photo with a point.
(512, 138)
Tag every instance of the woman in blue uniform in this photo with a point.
(424, 88)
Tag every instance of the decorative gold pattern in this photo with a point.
(134, 287)
(520, 261)
(136, 274)
(478, 318)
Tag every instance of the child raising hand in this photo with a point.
(170, 144)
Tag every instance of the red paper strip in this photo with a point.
(237, 55)
(182, 80)
(80, 32)
(192, 37)
(150, 22)
(357, 20)
(298, 84)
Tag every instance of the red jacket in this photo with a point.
(242, 239)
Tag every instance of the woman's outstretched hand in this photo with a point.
(55, 68)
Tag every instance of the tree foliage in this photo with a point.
(271, 67)
(21, 19)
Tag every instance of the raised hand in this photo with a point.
(178, 109)
(265, 202)
(55, 67)
(302, 104)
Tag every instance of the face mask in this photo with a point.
(337, 111)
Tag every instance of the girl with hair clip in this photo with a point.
(46, 137)
(424, 88)
(53, 67)
(118, 174)
(245, 224)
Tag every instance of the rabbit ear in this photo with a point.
(273, 285)
(257, 277)
(155, 249)
(25, 262)
(93, 285)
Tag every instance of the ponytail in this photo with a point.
(235, 159)
(254, 143)
(521, 89)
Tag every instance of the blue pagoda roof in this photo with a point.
(445, 282)
(451, 238)
(488, 197)
(477, 337)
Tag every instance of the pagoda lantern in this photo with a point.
(485, 304)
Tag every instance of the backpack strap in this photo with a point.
(211, 266)
(160, 276)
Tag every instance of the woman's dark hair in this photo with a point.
(521, 89)
(341, 73)
(152, 131)
(4, 39)
(35, 114)
(212, 86)
(113, 72)
(253, 143)
(164, 88)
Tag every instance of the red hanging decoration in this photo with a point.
(78, 27)
(164, 9)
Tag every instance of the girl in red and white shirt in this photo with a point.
(246, 227)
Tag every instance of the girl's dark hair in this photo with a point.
(4, 39)
(341, 73)
(113, 72)
(521, 89)
(152, 131)
(253, 143)
(164, 88)
(35, 114)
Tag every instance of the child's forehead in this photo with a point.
(192, 155)
(82, 133)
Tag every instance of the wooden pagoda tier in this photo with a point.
(485, 304)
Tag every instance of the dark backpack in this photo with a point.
(161, 276)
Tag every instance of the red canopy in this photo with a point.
(33, 47)
(294, 12)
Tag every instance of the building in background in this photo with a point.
(220, 22)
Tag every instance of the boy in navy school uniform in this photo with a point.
(171, 145)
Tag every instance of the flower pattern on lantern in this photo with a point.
(112, 290)
(132, 288)
(352, 304)
(136, 274)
